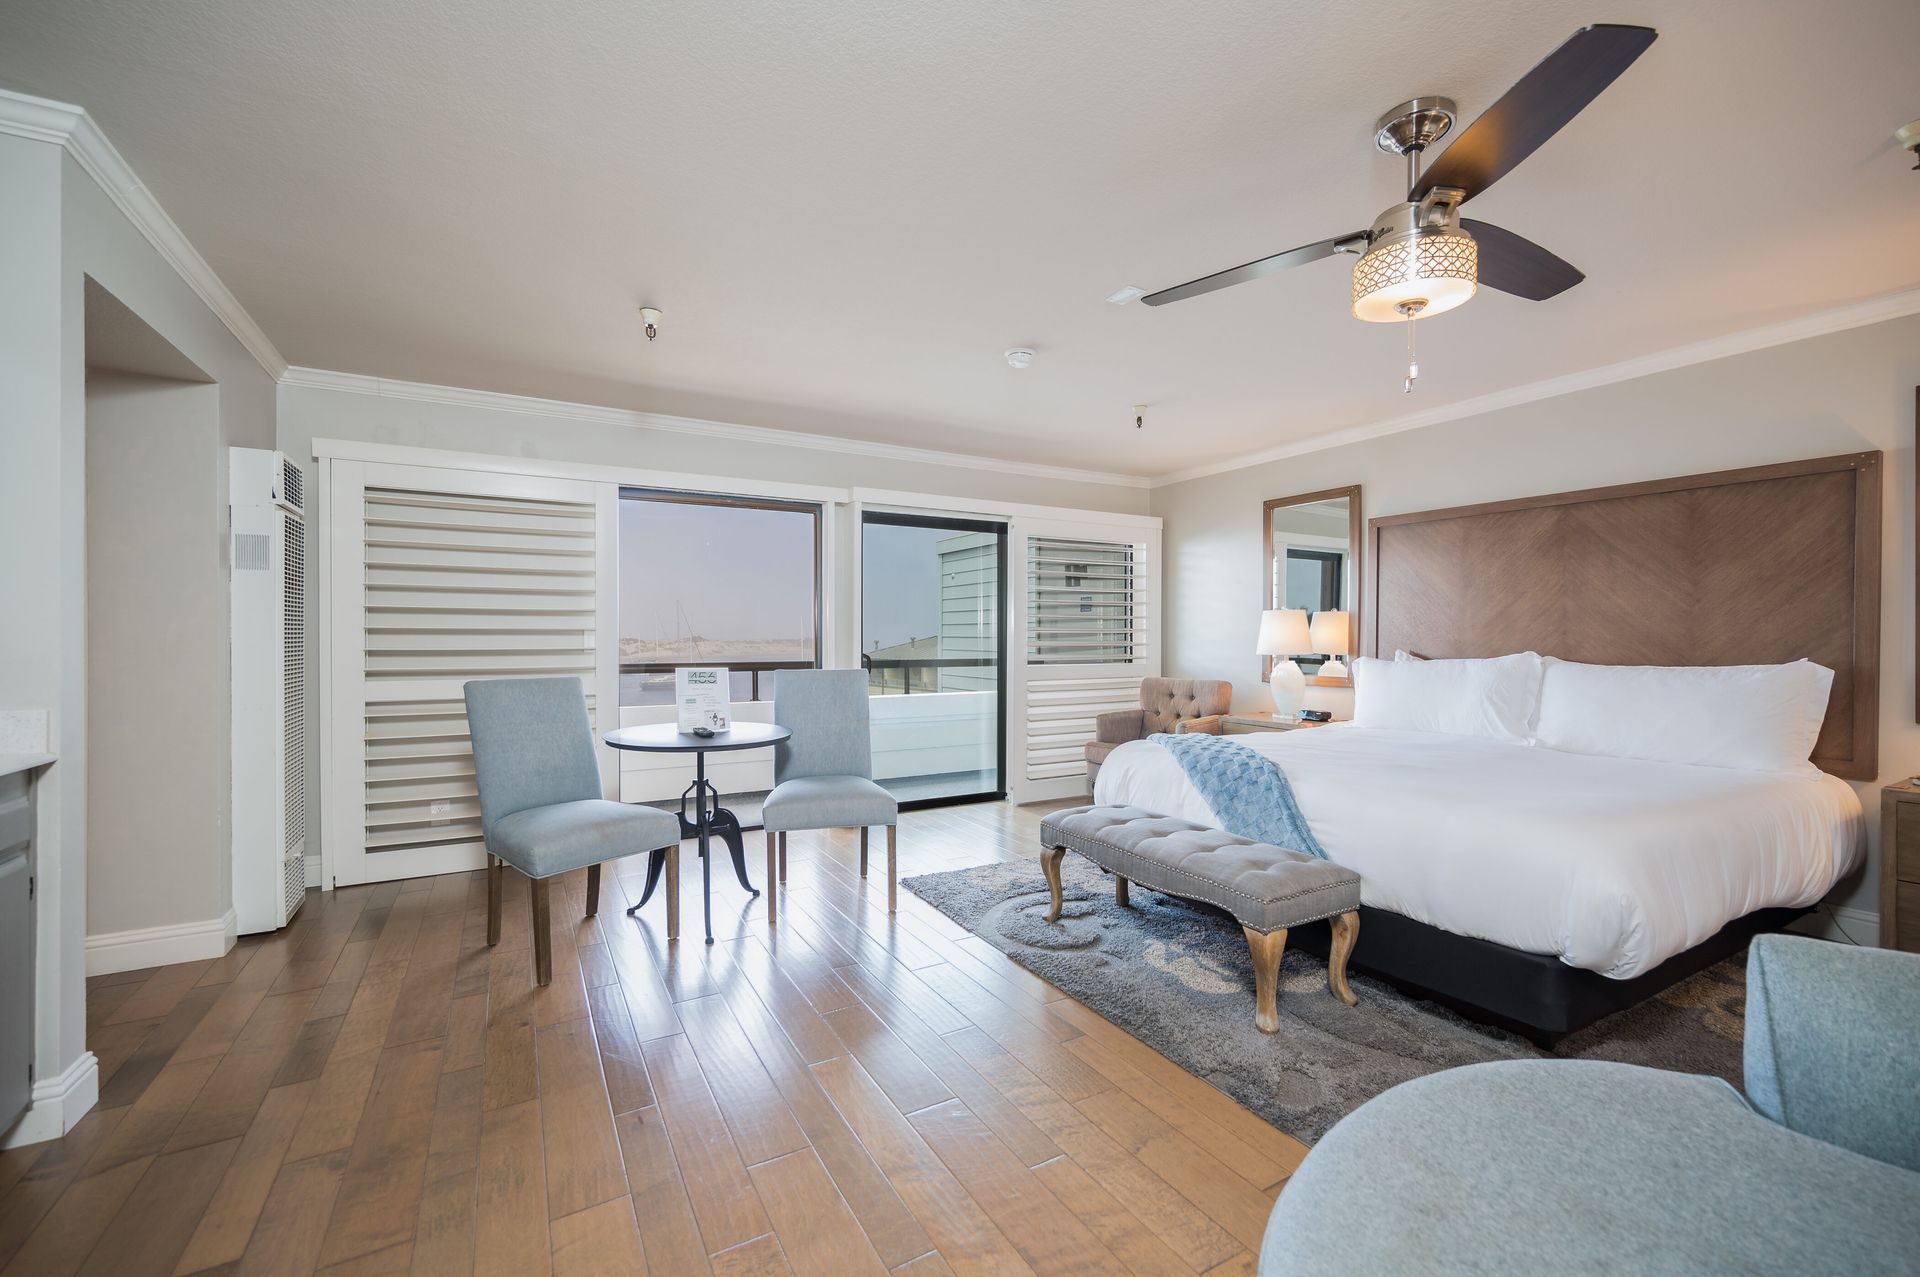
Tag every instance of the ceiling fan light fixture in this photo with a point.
(1439, 269)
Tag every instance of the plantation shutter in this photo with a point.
(459, 576)
(1091, 629)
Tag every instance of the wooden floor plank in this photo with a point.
(711, 1167)
(81, 1216)
(762, 1125)
(600, 1241)
(286, 1242)
(669, 1233)
(961, 1231)
(819, 1235)
(584, 1167)
(375, 1090)
(152, 1228)
(378, 1203)
(510, 1207)
(1048, 1236)
(222, 1231)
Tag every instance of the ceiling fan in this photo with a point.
(1421, 257)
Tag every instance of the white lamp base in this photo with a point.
(1289, 690)
(1334, 668)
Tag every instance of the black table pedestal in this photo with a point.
(710, 818)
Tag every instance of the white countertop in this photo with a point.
(11, 763)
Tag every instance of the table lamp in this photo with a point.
(1283, 634)
(1332, 633)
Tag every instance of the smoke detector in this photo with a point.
(1019, 357)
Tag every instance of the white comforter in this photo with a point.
(1611, 864)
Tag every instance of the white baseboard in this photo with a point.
(158, 946)
(58, 1103)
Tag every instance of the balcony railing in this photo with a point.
(887, 676)
(906, 667)
(750, 671)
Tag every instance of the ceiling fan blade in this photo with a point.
(1536, 108)
(1253, 270)
(1514, 264)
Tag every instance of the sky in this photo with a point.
(731, 572)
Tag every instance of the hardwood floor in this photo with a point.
(374, 1090)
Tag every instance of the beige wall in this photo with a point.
(157, 814)
(1845, 392)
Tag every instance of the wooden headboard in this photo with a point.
(1741, 567)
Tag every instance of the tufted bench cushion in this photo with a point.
(1266, 888)
(1263, 887)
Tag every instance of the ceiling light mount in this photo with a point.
(1139, 416)
(1414, 125)
(1020, 357)
(1908, 136)
(651, 318)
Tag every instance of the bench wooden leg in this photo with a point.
(863, 851)
(1050, 858)
(893, 868)
(542, 934)
(1266, 951)
(772, 878)
(1120, 894)
(1346, 929)
(593, 890)
(496, 871)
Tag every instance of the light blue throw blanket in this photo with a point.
(1246, 790)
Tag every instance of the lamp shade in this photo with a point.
(1422, 274)
(1283, 632)
(1331, 632)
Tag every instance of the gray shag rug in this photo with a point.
(1176, 975)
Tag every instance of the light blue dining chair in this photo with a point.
(823, 773)
(540, 801)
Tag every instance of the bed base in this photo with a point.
(1532, 994)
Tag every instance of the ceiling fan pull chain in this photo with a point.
(1413, 364)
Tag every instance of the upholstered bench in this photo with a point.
(1267, 889)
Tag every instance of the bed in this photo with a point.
(1543, 890)
(1610, 865)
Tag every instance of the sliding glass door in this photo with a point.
(933, 640)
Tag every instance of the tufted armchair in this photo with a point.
(1166, 705)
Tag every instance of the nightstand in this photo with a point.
(1900, 867)
(1234, 724)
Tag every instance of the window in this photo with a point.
(714, 580)
(1080, 602)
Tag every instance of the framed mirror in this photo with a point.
(1312, 545)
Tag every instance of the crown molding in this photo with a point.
(460, 397)
(71, 127)
(1872, 310)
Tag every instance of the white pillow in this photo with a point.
(1494, 698)
(1750, 717)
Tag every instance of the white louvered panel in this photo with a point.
(1085, 604)
(458, 587)
(293, 696)
(1060, 714)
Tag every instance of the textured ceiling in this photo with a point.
(848, 210)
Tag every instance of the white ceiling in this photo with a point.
(849, 210)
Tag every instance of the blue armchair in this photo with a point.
(1587, 1166)
(540, 800)
(823, 774)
